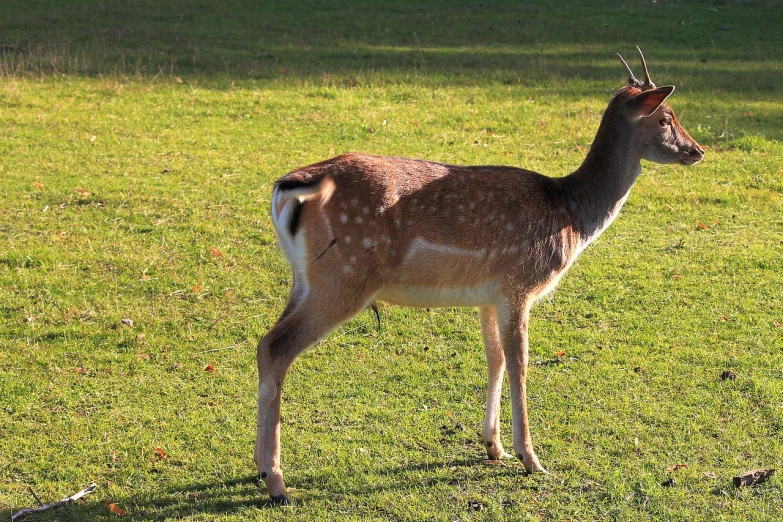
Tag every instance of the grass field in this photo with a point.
(138, 149)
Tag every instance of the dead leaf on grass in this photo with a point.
(161, 453)
(728, 374)
(215, 252)
(82, 192)
(753, 478)
(126, 322)
(38, 185)
(117, 510)
(492, 462)
(675, 467)
(475, 505)
(209, 368)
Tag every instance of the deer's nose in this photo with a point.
(696, 150)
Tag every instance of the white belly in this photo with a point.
(480, 295)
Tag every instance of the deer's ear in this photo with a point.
(646, 103)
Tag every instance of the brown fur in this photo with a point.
(428, 234)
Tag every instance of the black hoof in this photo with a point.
(281, 499)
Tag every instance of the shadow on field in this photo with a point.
(709, 49)
(215, 497)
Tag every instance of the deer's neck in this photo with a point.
(597, 190)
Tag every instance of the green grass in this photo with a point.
(138, 138)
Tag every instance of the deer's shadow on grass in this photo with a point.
(243, 492)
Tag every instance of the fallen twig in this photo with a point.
(224, 348)
(33, 493)
(43, 507)
(18, 48)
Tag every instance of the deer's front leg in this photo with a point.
(496, 364)
(513, 320)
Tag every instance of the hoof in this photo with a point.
(499, 456)
(536, 467)
(281, 500)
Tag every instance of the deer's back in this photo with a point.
(421, 225)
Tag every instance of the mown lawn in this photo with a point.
(139, 267)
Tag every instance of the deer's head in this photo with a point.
(659, 137)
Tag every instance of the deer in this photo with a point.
(358, 228)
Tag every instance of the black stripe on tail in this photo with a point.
(296, 214)
(290, 184)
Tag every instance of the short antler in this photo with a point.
(633, 81)
(648, 83)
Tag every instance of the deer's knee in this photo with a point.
(268, 391)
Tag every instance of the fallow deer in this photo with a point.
(360, 228)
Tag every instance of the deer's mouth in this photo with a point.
(690, 161)
(692, 155)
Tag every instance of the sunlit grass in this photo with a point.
(130, 190)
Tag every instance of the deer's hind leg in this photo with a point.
(496, 364)
(308, 318)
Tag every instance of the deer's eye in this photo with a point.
(665, 122)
